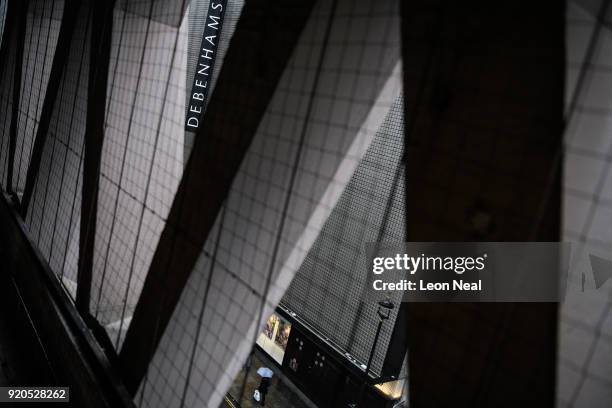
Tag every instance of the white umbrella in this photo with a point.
(265, 372)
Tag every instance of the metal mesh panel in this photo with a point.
(329, 290)
(53, 216)
(322, 176)
(585, 347)
(3, 4)
(142, 159)
(333, 97)
(6, 103)
(42, 29)
(165, 12)
(143, 156)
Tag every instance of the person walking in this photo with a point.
(266, 375)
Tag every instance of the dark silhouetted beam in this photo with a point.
(94, 135)
(483, 87)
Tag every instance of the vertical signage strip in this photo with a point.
(206, 62)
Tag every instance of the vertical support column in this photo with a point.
(101, 36)
(483, 85)
(60, 62)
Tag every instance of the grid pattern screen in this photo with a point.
(337, 99)
(53, 215)
(6, 94)
(323, 172)
(329, 289)
(3, 5)
(585, 358)
(144, 149)
(42, 29)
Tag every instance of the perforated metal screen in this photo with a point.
(315, 170)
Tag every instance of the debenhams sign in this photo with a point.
(206, 63)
